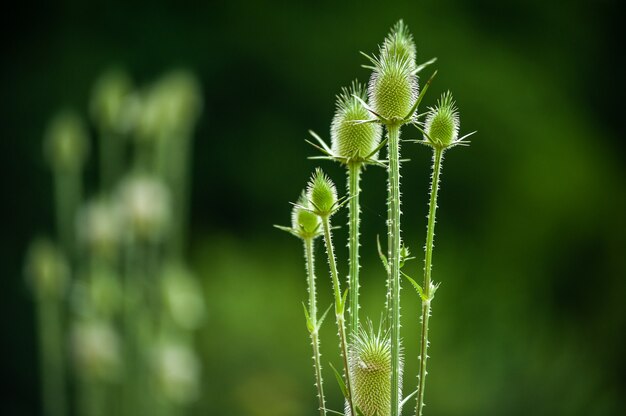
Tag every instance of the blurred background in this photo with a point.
(531, 238)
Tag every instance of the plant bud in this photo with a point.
(393, 88)
(350, 140)
(178, 372)
(96, 350)
(109, 100)
(442, 122)
(182, 296)
(46, 269)
(66, 144)
(399, 44)
(304, 222)
(322, 194)
(99, 228)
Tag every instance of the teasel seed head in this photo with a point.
(350, 140)
(66, 144)
(370, 370)
(96, 350)
(109, 100)
(46, 269)
(393, 86)
(442, 123)
(98, 226)
(304, 222)
(322, 194)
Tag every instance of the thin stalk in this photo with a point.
(339, 309)
(432, 211)
(68, 193)
(394, 262)
(51, 356)
(317, 358)
(111, 159)
(354, 176)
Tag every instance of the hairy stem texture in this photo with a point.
(430, 236)
(354, 175)
(394, 262)
(317, 357)
(339, 309)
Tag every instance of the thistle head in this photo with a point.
(370, 370)
(109, 100)
(442, 123)
(350, 140)
(322, 194)
(99, 227)
(66, 145)
(96, 350)
(304, 223)
(46, 269)
(393, 87)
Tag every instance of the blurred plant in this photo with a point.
(131, 293)
(373, 363)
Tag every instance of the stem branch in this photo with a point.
(354, 175)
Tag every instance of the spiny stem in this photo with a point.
(310, 266)
(394, 261)
(432, 211)
(339, 309)
(354, 175)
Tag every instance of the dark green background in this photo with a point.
(530, 318)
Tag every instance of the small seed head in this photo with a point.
(66, 144)
(304, 222)
(350, 140)
(109, 100)
(46, 269)
(96, 350)
(442, 122)
(322, 194)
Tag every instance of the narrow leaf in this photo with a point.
(339, 378)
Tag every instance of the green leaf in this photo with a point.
(417, 287)
(309, 324)
(339, 378)
(319, 323)
(420, 97)
(383, 258)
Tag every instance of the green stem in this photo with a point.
(51, 356)
(428, 287)
(339, 309)
(317, 358)
(68, 190)
(354, 175)
(111, 158)
(394, 262)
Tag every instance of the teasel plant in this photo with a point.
(114, 295)
(373, 363)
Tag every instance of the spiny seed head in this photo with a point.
(322, 194)
(370, 371)
(304, 222)
(108, 100)
(442, 122)
(46, 269)
(399, 44)
(393, 87)
(350, 140)
(66, 145)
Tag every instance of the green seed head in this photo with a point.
(304, 222)
(99, 228)
(109, 100)
(350, 140)
(322, 194)
(399, 44)
(370, 369)
(393, 88)
(96, 350)
(46, 269)
(66, 144)
(442, 122)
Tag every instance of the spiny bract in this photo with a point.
(393, 87)
(442, 122)
(322, 193)
(370, 371)
(304, 222)
(350, 140)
